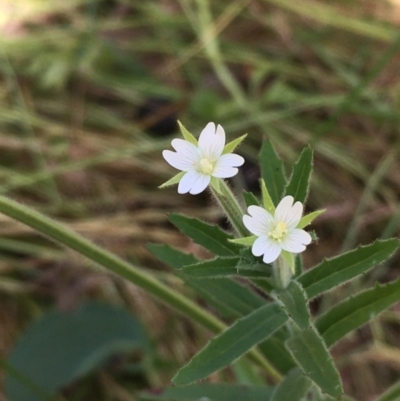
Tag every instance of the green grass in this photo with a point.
(73, 78)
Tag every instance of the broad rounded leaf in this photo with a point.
(62, 346)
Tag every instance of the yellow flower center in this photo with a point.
(279, 232)
(206, 166)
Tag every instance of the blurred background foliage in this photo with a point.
(90, 92)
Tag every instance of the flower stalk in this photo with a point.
(282, 272)
(231, 207)
(174, 299)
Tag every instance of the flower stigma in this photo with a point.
(206, 166)
(279, 232)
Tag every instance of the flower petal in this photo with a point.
(272, 251)
(226, 165)
(289, 213)
(260, 245)
(259, 221)
(211, 141)
(201, 183)
(296, 240)
(186, 148)
(193, 182)
(177, 161)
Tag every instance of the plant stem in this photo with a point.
(66, 236)
(282, 273)
(230, 205)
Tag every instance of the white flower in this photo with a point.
(203, 161)
(278, 232)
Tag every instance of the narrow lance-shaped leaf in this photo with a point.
(227, 296)
(294, 301)
(272, 172)
(274, 350)
(223, 267)
(310, 353)
(187, 135)
(246, 241)
(333, 272)
(250, 199)
(174, 180)
(267, 201)
(356, 311)
(218, 267)
(309, 218)
(211, 391)
(170, 256)
(210, 236)
(293, 387)
(231, 146)
(232, 343)
(299, 181)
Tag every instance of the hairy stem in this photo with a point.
(69, 238)
(230, 205)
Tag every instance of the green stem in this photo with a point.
(229, 204)
(282, 273)
(66, 236)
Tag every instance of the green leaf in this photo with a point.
(298, 265)
(356, 311)
(225, 266)
(273, 348)
(247, 241)
(272, 172)
(309, 351)
(211, 392)
(267, 201)
(218, 267)
(187, 135)
(391, 394)
(170, 256)
(232, 343)
(266, 286)
(293, 387)
(309, 218)
(299, 181)
(333, 272)
(231, 146)
(246, 372)
(294, 301)
(210, 237)
(174, 180)
(227, 296)
(63, 346)
(250, 199)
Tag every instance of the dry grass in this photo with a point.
(77, 143)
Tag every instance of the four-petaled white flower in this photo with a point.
(203, 161)
(278, 232)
